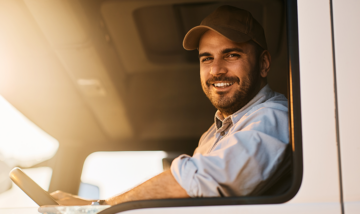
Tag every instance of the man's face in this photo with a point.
(229, 72)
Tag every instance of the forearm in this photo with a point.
(161, 186)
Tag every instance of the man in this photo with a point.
(247, 141)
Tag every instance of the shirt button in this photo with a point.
(222, 133)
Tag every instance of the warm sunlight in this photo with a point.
(22, 143)
(117, 172)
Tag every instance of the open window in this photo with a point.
(148, 36)
(117, 79)
(111, 75)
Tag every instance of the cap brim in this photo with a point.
(192, 38)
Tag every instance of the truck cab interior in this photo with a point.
(111, 75)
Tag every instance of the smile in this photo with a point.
(222, 84)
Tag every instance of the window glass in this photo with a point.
(116, 172)
(22, 144)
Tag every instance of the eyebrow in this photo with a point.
(204, 54)
(227, 50)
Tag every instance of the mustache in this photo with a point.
(213, 79)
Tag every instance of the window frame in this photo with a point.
(295, 138)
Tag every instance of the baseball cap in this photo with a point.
(236, 24)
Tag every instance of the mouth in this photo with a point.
(222, 84)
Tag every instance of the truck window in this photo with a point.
(22, 144)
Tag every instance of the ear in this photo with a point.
(265, 62)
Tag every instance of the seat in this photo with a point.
(280, 181)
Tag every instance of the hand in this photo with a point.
(67, 199)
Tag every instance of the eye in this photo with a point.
(233, 56)
(206, 59)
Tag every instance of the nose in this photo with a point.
(217, 68)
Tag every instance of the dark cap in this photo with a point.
(236, 24)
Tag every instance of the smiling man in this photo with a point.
(246, 143)
(230, 72)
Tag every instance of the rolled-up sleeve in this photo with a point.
(238, 162)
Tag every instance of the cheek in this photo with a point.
(240, 70)
(204, 75)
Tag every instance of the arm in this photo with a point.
(161, 186)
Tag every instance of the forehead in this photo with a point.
(212, 41)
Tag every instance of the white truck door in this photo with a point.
(346, 18)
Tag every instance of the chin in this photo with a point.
(228, 104)
(223, 104)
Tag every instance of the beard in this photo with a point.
(246, 89)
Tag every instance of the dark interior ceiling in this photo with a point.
(133, 53)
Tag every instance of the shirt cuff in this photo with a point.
(183, 170)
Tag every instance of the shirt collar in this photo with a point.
(221, 122)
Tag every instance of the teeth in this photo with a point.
(222, 84)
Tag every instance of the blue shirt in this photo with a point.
(239, 152)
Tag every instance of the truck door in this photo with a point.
(346, 33)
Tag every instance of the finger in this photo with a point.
(55, 194)
(59, 194)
